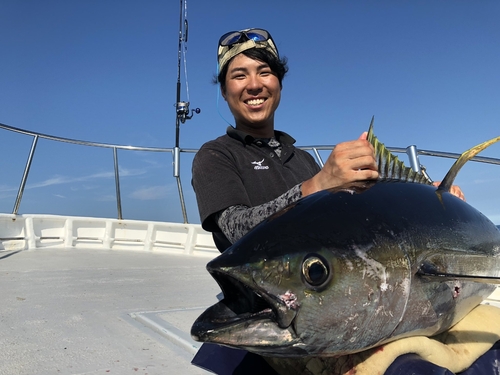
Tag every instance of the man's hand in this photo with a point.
(348, 162)
(455, 190)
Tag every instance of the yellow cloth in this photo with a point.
(455, 349)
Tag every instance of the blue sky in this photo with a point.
(106, 71)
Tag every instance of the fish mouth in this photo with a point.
(243, 309)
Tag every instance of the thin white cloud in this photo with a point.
(154, 163)
(6, 189)
(485, 181)
(58, 180)
(49, 182)
(106, 198)
(151, 193)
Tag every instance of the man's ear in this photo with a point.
(223, 93)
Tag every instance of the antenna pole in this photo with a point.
(182, 109)
(178, 96)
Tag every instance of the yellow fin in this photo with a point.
(389, 165)
(464, 158)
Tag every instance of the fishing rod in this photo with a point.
(181, 107)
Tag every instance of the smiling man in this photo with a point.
(253, 170)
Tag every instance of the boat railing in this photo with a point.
(412, 152)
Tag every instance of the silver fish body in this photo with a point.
(350, 268)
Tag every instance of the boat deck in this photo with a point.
(88, 311)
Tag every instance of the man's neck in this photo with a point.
(257, 132)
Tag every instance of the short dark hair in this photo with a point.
(278, 65)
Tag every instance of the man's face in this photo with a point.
(252, 92)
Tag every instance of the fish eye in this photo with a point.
(315, 270)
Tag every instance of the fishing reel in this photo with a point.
(182, 109)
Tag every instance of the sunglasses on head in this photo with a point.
(235, 42)
(233, 37)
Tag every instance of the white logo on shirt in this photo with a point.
(258, 165)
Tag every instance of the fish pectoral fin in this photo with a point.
(477, 268)
(450, 277)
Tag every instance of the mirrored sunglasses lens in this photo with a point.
(257, 36)
(230, 38)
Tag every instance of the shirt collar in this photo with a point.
(247, 139)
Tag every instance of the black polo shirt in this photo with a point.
(238, 169)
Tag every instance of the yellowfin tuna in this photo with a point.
(350, 268)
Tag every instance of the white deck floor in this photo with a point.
(84, 311)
